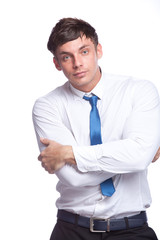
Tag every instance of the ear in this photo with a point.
(99, 51)
(57, 64)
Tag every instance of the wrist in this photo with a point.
(69, 156)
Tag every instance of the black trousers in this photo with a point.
(68, 231)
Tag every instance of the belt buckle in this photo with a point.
(100, 219)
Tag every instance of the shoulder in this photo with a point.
(55, 96)
(52, 103)
(143, 93)
(135, 89)
(129, 81)
(143, 88)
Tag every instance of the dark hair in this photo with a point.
(69, 29)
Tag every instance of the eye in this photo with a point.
(66, 58)
(85, 52)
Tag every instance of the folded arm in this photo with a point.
(55, 141)
(138, 145)
(132, 153)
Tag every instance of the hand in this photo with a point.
(55, 155)
(157, 155)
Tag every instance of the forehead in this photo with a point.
(75, 45)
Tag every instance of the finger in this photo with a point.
(45, 141)
(47, 168)
(43, 165)
(40, 157)
(156, 158)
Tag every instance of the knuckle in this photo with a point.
(44, 160)
(42, 154)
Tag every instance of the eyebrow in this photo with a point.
(82, 47)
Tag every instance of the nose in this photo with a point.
(77, 62)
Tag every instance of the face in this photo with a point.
(78, 59)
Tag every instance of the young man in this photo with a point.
(98, 133)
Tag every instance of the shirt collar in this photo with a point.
(76, 93)
(97, 90)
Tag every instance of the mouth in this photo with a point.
(80, 74)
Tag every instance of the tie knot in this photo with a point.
(92, 100)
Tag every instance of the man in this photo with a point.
(102, 173)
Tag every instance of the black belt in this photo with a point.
(103, 225)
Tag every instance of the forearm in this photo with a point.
(59, 159)
(68, 155)
(45, 128)
(132, 153)
(118, 157)
(71, 176)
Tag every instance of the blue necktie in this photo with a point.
(107, 186)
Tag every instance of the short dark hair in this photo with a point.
(69, 29)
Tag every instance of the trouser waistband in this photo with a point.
(103, 225)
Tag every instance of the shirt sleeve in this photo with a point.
(139, 143)
(48, 124)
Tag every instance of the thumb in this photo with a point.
(45, 141)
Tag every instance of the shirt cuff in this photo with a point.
(87, 157)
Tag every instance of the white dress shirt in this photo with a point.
(130, 120)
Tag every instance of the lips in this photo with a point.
(80, 74)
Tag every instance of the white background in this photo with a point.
(129, 31)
